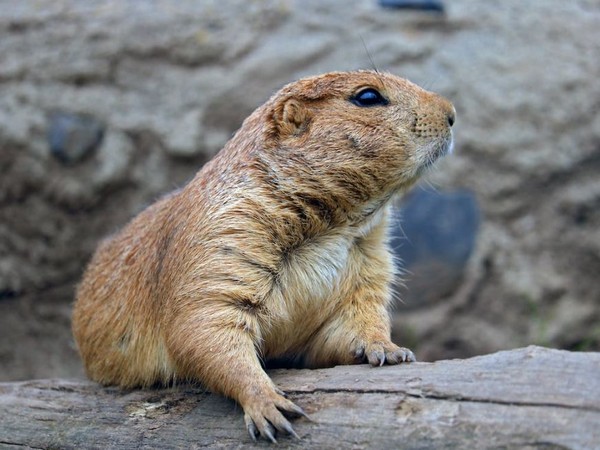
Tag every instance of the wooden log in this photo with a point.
(525, 398)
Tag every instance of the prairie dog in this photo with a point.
(277, 248)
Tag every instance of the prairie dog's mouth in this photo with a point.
(450, 145)
(436, 149)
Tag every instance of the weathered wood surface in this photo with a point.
(524, 398)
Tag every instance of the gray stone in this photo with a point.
(434, 238)
(423, 5)
(71, 137)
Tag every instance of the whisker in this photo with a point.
(368, 54)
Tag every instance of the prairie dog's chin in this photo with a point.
(450, 144)
(430, 153)
(444, 146)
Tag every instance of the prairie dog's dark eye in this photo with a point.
(368, 97)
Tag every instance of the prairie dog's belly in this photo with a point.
(311, 286)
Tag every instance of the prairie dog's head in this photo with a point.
(343, 124)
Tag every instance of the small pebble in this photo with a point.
(71, 137)
(421, 5)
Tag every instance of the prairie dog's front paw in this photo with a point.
(263, 414)
(378, 353)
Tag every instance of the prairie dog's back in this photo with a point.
(116, 320)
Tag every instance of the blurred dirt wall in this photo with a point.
(105, 105)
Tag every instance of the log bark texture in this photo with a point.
(524, 398)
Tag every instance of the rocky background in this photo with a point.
(105, 105)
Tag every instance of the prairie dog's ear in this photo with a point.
(292, 117)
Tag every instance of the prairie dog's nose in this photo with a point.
(451, 116)
(434, 116)
(448, 109)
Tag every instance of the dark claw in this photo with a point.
(297, 410)
(376, 358)
(393, 358)
(409, 357)
(280, 392)
(287, 427)
(252, 430)
(269, 432)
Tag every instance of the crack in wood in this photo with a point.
(434, 396)
(16, 444)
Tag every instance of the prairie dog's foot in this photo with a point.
(263, 414)
(378, 353)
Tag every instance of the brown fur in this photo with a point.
(277, 248)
